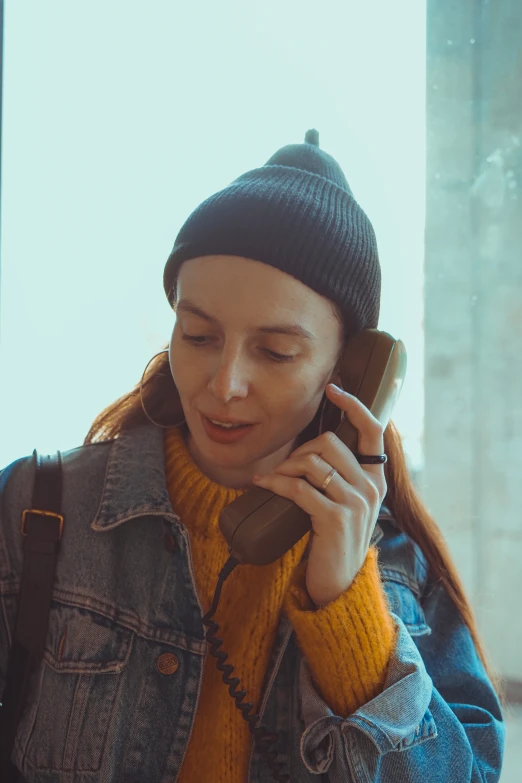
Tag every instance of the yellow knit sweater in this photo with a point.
(346, 643)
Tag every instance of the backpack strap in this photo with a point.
(41, 528)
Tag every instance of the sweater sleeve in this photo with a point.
(348, 642)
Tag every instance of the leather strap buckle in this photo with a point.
(44, 514)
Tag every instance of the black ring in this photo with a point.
(371, 459)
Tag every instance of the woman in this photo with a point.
(357, 646)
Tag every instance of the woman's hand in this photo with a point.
(343, 518)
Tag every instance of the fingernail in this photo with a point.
(337, 390)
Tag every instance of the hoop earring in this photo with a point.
(158, 424)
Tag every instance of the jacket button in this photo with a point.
(169, 542)
(167, 663)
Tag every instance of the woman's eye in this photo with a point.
(193, 339)
(279, 357)
(197, 340)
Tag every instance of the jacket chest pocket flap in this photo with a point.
(404, 602)
(74, 692)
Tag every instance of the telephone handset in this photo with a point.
(260, 526)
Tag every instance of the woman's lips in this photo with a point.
(221, 435)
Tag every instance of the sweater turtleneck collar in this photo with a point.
(193, 495)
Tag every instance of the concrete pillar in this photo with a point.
(473, 306)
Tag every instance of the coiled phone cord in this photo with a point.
(263, 738)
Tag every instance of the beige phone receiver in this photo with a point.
(260, 526)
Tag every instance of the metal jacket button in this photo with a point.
(167, 663)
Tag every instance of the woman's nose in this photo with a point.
(230, 379)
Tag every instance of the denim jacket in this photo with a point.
(100, 709)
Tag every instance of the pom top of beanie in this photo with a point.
(309, 157)
(312, 137)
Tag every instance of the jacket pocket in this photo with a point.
(74, 692)
(404, 602)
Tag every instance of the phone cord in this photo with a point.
(263, 738)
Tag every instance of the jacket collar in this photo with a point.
(135, 483)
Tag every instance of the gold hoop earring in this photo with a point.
(149, 417)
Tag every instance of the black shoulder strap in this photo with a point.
(41, 527)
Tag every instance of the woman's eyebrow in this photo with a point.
(294, 330)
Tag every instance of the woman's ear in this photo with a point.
(335, 377)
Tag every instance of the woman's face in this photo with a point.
(227, 360)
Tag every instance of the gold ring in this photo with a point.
(328, 478)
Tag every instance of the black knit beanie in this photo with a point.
(298, 214)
